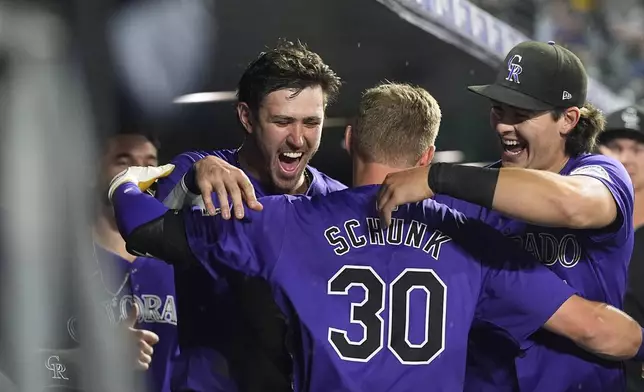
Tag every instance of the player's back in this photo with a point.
(373, 305)
(380, 310)
(390, 310)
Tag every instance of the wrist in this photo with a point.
(189, 181)
(473, 184)
(122, 180)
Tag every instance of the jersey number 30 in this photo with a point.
(368, 315)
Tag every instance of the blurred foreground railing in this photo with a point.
(47, 155)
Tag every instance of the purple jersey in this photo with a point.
(594, 262)
(149, 283)
(212, 322)
(381, 310)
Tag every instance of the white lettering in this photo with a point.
(413, 234)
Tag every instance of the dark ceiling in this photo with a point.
(364, 42)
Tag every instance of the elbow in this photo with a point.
(590, 336)
(577, 210)
(634, 340)
(576, 216)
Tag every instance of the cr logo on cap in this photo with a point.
(514, 69)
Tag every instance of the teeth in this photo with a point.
(292, 155)
(511, 142)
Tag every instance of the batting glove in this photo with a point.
(141, 176)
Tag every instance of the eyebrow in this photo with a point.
(281, 117)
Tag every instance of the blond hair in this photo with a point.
(583, 137)
(396, 124)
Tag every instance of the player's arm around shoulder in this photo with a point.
(252, 245)
(594, 195)
(598, 328)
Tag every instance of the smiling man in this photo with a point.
(230, 326)
(570, 208)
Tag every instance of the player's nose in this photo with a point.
(295, 137)
(503, 128)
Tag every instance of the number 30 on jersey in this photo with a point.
(367, 314)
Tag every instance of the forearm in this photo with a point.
(534, 196)
(133, 208)
(614, 335)
(150, 228)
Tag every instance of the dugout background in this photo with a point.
(365, 43)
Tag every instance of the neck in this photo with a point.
(558, 164)
(248, 159)
(107, 236)
(370, 173)
(638, 211)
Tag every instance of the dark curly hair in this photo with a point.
(583, 138)
(288, 65)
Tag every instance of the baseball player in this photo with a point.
(231, 330)
(572, 209)
(126, 279)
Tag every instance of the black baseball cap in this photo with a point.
(538, 76)
(626, 123)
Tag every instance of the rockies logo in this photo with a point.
(514, 69)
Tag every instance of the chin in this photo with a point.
(516, 163)
(285, 185)
(506, 163)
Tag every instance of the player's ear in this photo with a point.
(245, 116)
(347, 139)
(570, 119)
(427, 157)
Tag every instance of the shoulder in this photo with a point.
(473, 235)
(350, 201)
(469, 209)
(323, 184)
(600, 166)
(432, 213)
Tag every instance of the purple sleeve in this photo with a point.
(182, 163)
(251, 246)
(612, 174)
(518, 293)
(133, 208)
